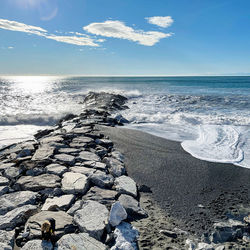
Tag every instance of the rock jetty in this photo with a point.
(73, 174)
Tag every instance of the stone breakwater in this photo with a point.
(73, 174)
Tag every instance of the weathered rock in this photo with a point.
(16, 216)
(75, 207)
(82, 130)
(56, 169)
(81, 241)
(38, 182)
(12, 172)
(117, 214)
(49, 139)
(43, 153)
(88, 156)
(132, 206)
(103, 196)
(117, 155)
(96, 165)
(126, 185)
(73, 183)
(64, 223)
(101, 179)
(4, 166)
(63, 202)
(82, 139)
(116, 168)
(4, 190)
(82, 170)
(3, 181)
(72, 151)
(17, 199)
(169, 233)
(92, 218)
(65, 158)
(126, 236)
(79, 145)
(23, 153)
(104, 142)
(7, 239)
(38, 245)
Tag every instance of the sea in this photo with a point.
(210, 116)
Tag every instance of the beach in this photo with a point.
(195, 193)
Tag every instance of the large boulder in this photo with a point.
(44, 152)
(64, 223)
(125, 237)
(74, 183)
(56, 169)
(116, 168)
(38, 245)
(102, 180)
(132, 206)
(126, 185)
(16, 216)
(117, 214)
(92, 218)
(103, 196)
(63, 202)
(16, 199)
(88, 156)
(81, 241)
(40, 182)
(7, 239)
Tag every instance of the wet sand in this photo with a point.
(194, 192)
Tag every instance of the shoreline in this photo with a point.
(196, 192)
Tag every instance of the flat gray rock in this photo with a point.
(63, 202)
(44, 152)
(82, 130)
(50, 139)
(117, 155)
(96, 165)
(79, 145)
(38, 245)
(7, 239)
(126, 185)
(12, 172)
(131, 205)
(82, 170)
(82, 139)
(92, 218)
(65, 158)
(88, 156)
(116, 168)
(74, 183)
(75, 207)
(117, 214)
(3, 181)
(104, 142)
(81, 241)
(40, 182)
(4, 166)
(102, 180)
(72, 151)
(4, 190)
(103, 196)
(17, 199)
(64, 223)
(56, 169)
(16, 216)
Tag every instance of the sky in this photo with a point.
(124, 37)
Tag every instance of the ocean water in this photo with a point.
(210, 116)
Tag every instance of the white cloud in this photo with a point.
(80, 41)
(16, 26)
(118, 29)
(162, 21)
(10, 47)
(21, 27)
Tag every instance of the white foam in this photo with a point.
(224, 143)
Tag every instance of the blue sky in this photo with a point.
(124, 37)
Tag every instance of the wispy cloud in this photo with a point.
(21, 27)
(162, 21)
(118, 29)
(10, 47)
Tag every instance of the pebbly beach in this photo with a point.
(109, 187)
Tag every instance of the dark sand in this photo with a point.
(195, 192)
